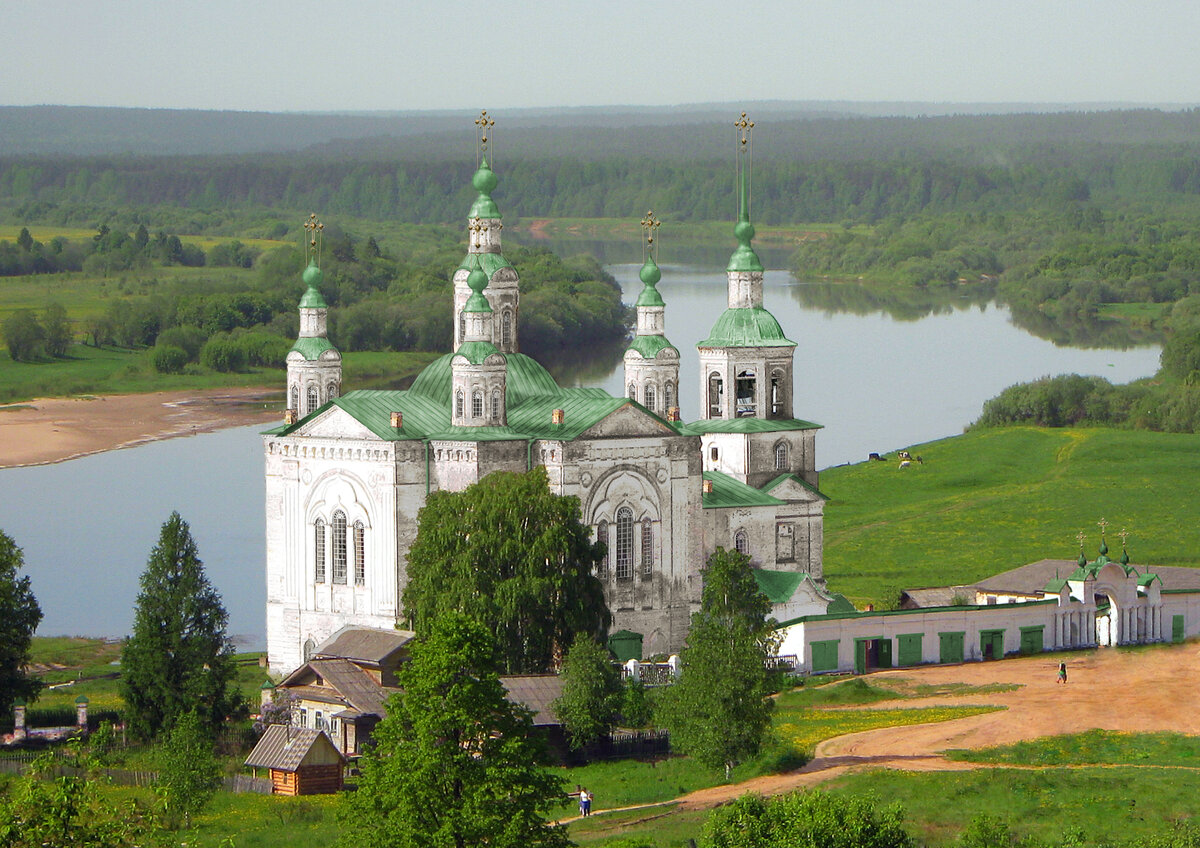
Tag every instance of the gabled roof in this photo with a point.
(729, 492)
(284, 748)
(343, 679)
(745, 425)
(537, 692)
(778, 586)
(363, 644)
(793, 478)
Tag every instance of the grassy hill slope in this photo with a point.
(992, 500)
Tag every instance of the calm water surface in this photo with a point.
(875, 383)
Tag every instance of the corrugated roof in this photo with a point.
(284, 748)
(350, 682)
(746, 425)
(537, 692)
(729, 492)
(778, 586)
(746, 326)
(365, 644)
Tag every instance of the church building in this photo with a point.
(348, 472)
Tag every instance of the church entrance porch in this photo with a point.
(1108, 630)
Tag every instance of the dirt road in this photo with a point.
(1137, 690)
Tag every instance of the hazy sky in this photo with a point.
(447, 54)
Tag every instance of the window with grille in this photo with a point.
(632, 393)
(602, 538)
(296, 399)
(716, 396)
(458, 404)
(742, 542)
(312, 399)
(648, 395)
(624, 543)
(319, 550)
(496, 406)
(506, 328)
(477, 404)
(776, 392)
(360, 554)
(462, 327)
(669, 395)
(339, 547)
(332, 390)
(781, 456)
(647, 547)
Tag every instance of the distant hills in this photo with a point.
(807, 129)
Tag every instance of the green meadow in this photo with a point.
(992, 500)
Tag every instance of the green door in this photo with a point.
(1177, 628)
(991, 644)
(1031, 640)
(951, 645)
(910, 648)
(885, 652)
(825, 656)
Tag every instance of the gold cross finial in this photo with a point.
(485, 124)
(1103, 525)
(1081, 537)
(1124, 534)
(650, 226)
(312, 247)
(744, 127)
(477, 228)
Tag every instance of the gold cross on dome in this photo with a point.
(485, 124)
(1124, 534)
(314, 227)
(744, 127)
(1081, 537)
(477, 228)
(650, 224)
(1103, 525)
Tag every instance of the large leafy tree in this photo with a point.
(720, 709)
(514, 556)
(591, 693)
(19, 617)
(178, 659)
(454, 762)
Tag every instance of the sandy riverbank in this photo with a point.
(55, 429)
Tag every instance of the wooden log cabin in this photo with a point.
(301, 761)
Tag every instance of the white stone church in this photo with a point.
(348, 472)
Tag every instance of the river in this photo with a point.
(876, 380)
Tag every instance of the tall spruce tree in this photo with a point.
(513, 555)
(455, 763)
(720, 709)
(19, 618)
(178, 659)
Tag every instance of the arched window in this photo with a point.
(741, 542)
(312, 400)
(310, 648)
(296, 399)
(602, 538)
(632, 393)
(462, 326)
(477, 404)
(714, 453)
(360, 554)
(747, 389)
(332, 391)
(716, 396)
(458, 404)
(496, 406)
(776, 393)
(647, 547)
(624, 543)
(648, 397)
(781, 456)
(506, 328)
(319, 551)
(669, 395)
(339, 548)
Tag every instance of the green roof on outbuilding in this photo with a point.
(311, 347)
(728, 492)
(746, 326)
(649, 346)
(778, 586)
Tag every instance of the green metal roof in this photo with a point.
(525, 379)
(650, 297)
(745, 425)
(778, 586)
(489, 262)
(476, 352)
(1148, 578)
(650, 275)
(744, 258)
(770, 487)
(840, 604)
(649, 346)
(729, 492)
(312, 300)
(746, 326)
(311, 347)
(1054, 586)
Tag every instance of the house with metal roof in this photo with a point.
(347, 473)
(300, 761)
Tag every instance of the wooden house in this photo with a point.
(301, 761)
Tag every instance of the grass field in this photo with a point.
(992, 500)
(1093, 747)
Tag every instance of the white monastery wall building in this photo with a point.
(347, 473)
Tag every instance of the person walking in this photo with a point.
(585, 803)
(1062, 672)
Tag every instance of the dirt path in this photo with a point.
(55, 429)
(1144, 690)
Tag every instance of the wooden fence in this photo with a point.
(18, 762)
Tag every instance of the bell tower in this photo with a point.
(651, 361)
(314, 365)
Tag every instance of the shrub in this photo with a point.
(221, 353)
(169, 359)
